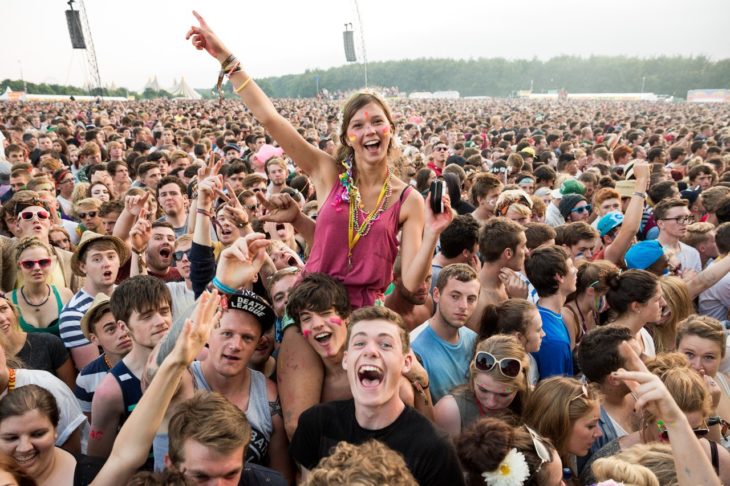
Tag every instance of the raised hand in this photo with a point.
(516, 287)
(134, 204)
(197, 329)
(203, 38)
(208, 188)
(233, 209)
(141, 232)
(280, 208)
(240, 263)
(437, 223)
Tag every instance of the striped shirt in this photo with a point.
(88, 380)
(70, 319)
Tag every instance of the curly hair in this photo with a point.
(368, 464)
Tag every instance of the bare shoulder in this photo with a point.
(272, 391)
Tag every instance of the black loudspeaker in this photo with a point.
(349, 46)
(74, 29)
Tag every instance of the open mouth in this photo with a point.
(108, 274)
(24, 459)
(230, 358)
(369, 376)
(323, 337)
(226, 232)
(372, 146)
(292, 261)
(165, 252)
(280, 227)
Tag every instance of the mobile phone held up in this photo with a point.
(437, 193)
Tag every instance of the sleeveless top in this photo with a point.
(258, 412)
(130, 385)
(468, 410)
(52, 327)
(373, 256)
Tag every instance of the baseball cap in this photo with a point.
(569, 186)
(251, 302)
(610, 221)
(643, 254)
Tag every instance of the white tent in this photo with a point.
(153, 84)
(183, 90)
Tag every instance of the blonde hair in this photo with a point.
(81, 191)
(686, 387)
(368, 464)
(705, 327)
(504, 346)
(30, 242)
(641, 465)
(680, 305)
(555, 405)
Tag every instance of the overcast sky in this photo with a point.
(136, 39)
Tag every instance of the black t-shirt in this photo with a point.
(43, 351)
(428, 454)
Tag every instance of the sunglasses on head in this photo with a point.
(28, 215)
(90, 214)
(509, 367)
(30, 264)
(583, 394)
(587, 208)
(542, 450)
(178, 255)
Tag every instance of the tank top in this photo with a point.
(468, 409)
(52, 327)
(372, 257)
(258, 412)
(130, 385)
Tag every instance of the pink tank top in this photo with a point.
(372, 257)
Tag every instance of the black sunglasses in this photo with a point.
(178, 255)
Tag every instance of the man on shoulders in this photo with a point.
(413, 307)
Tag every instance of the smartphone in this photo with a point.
(437, 192)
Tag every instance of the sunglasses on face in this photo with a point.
(441, 149)
(252, 207)
(30, 264)
(28, 215)
(509, 367)
(699, 432)
(90, 214)
(178, 255)
(587, 208)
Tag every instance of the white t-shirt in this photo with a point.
(689, 258)
(715, 301)
(70, 415)
(648, 341)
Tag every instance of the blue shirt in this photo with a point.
(447, 364)
(554, 356)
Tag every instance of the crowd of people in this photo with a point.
(268, 292)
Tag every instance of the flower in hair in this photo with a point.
(512, 471)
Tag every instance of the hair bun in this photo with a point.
(484, 445)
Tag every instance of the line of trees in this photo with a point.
(673, 75)
(500, 77)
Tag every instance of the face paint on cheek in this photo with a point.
(386, 131)
(335, 320)
(507, 390)
(306, 333)
(351, 137)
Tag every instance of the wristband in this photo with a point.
(241, 88)
(204, 212)
(640, 194)
(223, 287)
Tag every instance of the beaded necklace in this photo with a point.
(355, 228)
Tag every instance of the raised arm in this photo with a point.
(418, 241)
(708, 277)
(632, 221)
(316, 163)
(135, 438)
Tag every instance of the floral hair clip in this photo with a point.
(512, 471)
